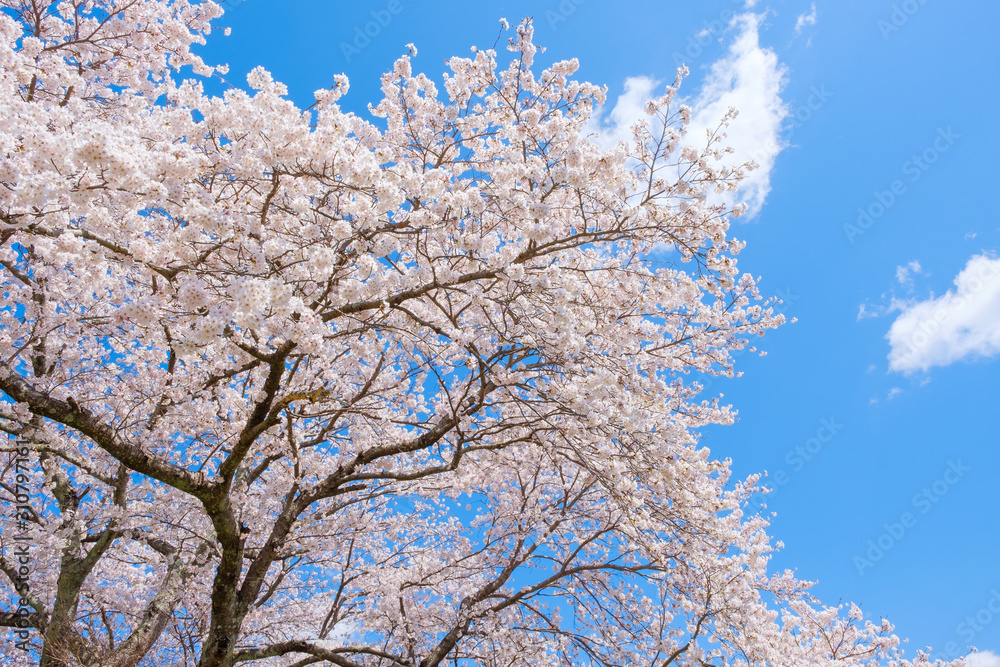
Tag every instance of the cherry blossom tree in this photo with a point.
(298, 387)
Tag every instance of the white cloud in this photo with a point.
(864, 313)
(749, 78)
(627, 111)
(806, 19)
(962, 323)
(750, 4)
(903, 272)
(983, 659)
(894, 392)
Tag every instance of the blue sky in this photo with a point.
(874, 217)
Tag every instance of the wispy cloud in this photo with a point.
(903, 276)
(805, 19)
(864, 313)
(962, 323)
